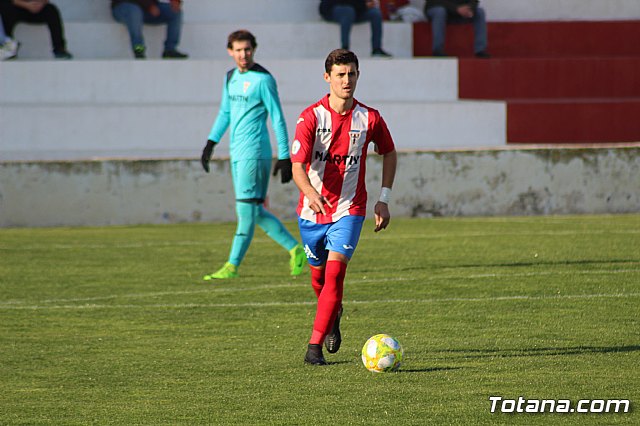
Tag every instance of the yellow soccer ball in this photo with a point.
(382, 353)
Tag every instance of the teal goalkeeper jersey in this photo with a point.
(247, 99)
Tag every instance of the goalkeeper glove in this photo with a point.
(207, 152)
(284, 166)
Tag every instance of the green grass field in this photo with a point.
(114, 325)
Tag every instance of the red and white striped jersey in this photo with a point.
(334, 148)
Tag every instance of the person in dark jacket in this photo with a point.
(348, 12)
(441, 12)
(134, 13)
(36, 12)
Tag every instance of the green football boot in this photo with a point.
(229, 270)
(298, 260)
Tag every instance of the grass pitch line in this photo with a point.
(364, 280)
(266, 240)
(313, 302)
(151, 294)
(543, 273)
(210, 289)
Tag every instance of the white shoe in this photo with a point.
(9, 49)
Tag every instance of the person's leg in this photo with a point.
(11, 15)
(265, 219)
(341, 241)
(270, 224)
(317, 279)
(480, 32)
(344, 15)
(330, 298)
(278, 233)
(275, 229)
(131, 16)
(438, 19)
(246, 212)
(173, 20)
(3, 35)
(374, 16)
(8, 46)
(51, 16)
(313, 237)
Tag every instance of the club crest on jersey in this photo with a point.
(245, 86)
(354, 135)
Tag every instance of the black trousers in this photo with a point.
(49, 15)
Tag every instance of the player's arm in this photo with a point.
(385, 146)
(218, 128)
(301, 179)
(272, 103)
(381, 209)
(301, 149)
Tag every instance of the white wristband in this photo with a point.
(385, 195)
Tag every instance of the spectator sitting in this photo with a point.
(348, 12)
(401, 10)
(441, 12)
(134, 13)
(36, 12)
(8, 46)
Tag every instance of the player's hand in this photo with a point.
(382, 216)
(154, 10)
(284, 166)
(465, 11)
(175, 5)
(207, 152)
(317, 202)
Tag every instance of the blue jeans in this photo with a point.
(133, 17)
(438, 17)
(345, 15)
(3, 35)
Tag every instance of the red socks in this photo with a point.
(329, 298)
(317, 280)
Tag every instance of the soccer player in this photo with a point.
(328, 154)
(249, 95)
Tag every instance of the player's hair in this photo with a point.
(340, 57)
(241, 35)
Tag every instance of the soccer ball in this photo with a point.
(382, 353)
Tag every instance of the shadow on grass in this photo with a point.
(338, 362)
(551, 263)
(427, 370)
(554, 351)
(529, 264)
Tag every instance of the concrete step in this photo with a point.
(307, 10)
(573, 120)
(538, 39)
(110, 40)
(207, 11)
(561, 10)
(200, 81)
(71, 132)
(535, 78)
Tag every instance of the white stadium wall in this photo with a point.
(94, 141)
(428, 184)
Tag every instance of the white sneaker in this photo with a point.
(9, 49)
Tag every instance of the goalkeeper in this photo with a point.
(249, 95)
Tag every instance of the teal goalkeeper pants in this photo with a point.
(249, 214)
